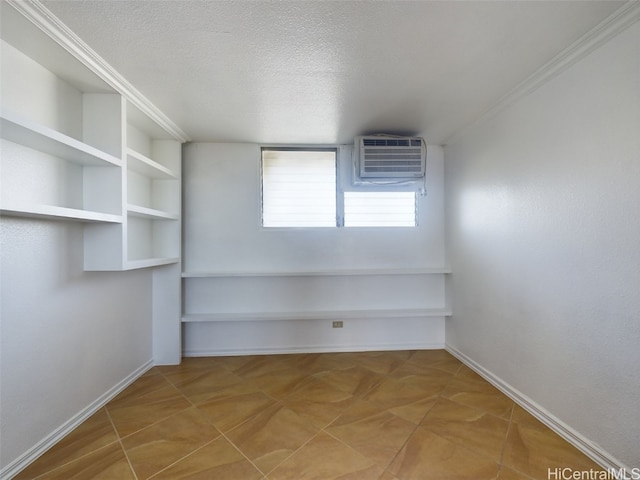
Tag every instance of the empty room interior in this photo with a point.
(272, 240)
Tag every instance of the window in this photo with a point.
(379, 209)
(299, 189)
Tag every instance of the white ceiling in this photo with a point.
(321, 71)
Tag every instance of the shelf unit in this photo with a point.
(153, 192)
(317, 315)
(79, 144)
(320, 273)
(76, 149)
(209, 296)
(57, 162)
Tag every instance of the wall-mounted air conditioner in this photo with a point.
(380, 157)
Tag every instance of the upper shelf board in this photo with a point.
(45, 139)
(150, 168)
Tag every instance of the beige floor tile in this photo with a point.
(481, 395)
(373, 431)
(387, 476)
(423, 377)
(474, 429)
(440, 359)
(193, 368)
(356, 380)
(410, 372)
(533, 449)
(132, 415)
(325, 458)
(143, 386)
(465, 373)
(278, 383)
(427, 456)
(508, 474)
(318, 363)
(203, 384)
(190, 365)
(218, 460)
(228, 411)
(93, 434)
(351, 415)
(258, 365)
(403, 400)
(233, 363)
(271, 436)
(380, 362)
(107, 463)
(318, 401)
(160, 445)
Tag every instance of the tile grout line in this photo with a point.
(124, 450)
(384, 468)
(193, 405)
(511, 422)
(242, 453)
(440, 396)
(222, 434)
(416, 426)
(183, 458)
(81, 456)
(58, 467)
(292, 453)
(506, 438)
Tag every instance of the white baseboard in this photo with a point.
(311, 349)
(54, 437)
(586, 446)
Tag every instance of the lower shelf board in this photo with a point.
(316, 315)
(149, 262)
(52, 212)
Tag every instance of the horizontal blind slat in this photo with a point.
(298, 188)
(379, 209)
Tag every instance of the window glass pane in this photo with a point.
(298, 188)
(379, 209)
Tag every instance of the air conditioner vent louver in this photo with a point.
(391, 157)
(391, 142)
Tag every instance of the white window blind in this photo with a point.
(298, 188)
(379, 209)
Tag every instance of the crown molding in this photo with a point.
(52, 26)
(611, 26)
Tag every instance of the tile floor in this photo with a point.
(406, 415)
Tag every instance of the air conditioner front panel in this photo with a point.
(391, 157)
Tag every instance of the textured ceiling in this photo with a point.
(324, 71)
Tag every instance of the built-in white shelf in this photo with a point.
(150, 262)
(148, 167)
(78, 144)
(317, 315)
(314, 273)
(150, 213)
(59, 213)
(44, 139)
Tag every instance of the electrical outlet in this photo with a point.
(338, 324)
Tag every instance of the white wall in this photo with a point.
(223, 233)
(67, 337)
(222, 228)
(543, 236)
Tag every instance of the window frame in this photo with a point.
(342, 171)
(290, 148)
